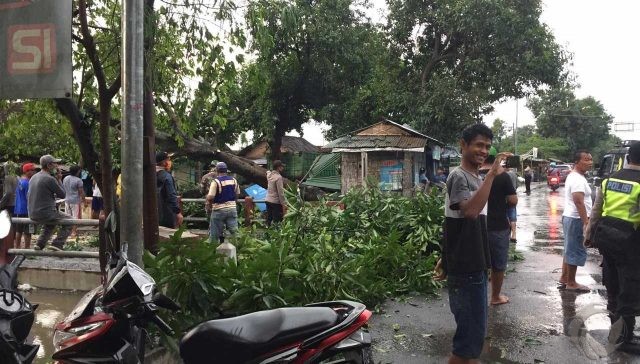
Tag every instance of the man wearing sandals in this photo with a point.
(577, 209)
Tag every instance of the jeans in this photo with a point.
(48, 229)
(468, 303)
(221, 218)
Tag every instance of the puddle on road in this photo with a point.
(54, 306)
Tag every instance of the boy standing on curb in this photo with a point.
(465, 251)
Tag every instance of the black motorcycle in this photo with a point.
(16, 313)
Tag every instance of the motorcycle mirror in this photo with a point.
(5, 224)
(163, 301)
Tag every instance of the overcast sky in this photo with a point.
(604, 37)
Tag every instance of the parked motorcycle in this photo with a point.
(554, 183)
(16, 313)
(109, 325)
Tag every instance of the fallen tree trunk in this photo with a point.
(198, 149)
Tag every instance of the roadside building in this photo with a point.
(297, 154)
(386, 153)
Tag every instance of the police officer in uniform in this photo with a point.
(614, 230)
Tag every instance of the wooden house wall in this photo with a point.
(377, 160)
(351, 168)
(257, 152)
(350, 171)
(383, 129)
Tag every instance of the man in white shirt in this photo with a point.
(575, 218)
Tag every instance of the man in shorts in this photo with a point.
(21, 209)
(465, 250)
(74, 190)
(501, 197)
(575, 218)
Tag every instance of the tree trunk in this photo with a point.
(82, 134)
(106, 164)
(275, 144)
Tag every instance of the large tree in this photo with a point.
(309, 59)
(461, 56)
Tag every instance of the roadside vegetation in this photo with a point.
(379, 246)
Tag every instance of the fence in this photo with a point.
(7, 250)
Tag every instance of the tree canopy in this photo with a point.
(579, 123)
(217, 69)
(310, 59)
(459, 57)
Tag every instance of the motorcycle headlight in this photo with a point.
(76, 334)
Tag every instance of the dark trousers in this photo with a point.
(274, 213)
(48, 229)
(527, 183)
(621, 277)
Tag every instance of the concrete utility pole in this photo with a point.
(132, 117)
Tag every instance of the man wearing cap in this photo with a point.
(223, 192)
(21, 210)
(169, 212)
(44, 188)
(275, 200)
(205, 181)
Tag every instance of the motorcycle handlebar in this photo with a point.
(165, 302)
(161, 324)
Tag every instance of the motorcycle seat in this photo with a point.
(243, 338)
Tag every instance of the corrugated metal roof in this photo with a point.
(330, 182)
(324, 173)
(378, 141)
(402, 126)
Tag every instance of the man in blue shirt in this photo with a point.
(21, 209)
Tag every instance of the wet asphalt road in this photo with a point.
(540, 324)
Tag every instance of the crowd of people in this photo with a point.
(41, 190)
(221, 193)
(38, 193)
(479, 215)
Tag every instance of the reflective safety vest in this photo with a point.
(621, 199)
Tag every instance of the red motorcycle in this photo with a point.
(109, 326)
(554, 183)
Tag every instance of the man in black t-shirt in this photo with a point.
(502, 196)
(465, 250)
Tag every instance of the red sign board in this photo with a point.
(35, 49)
